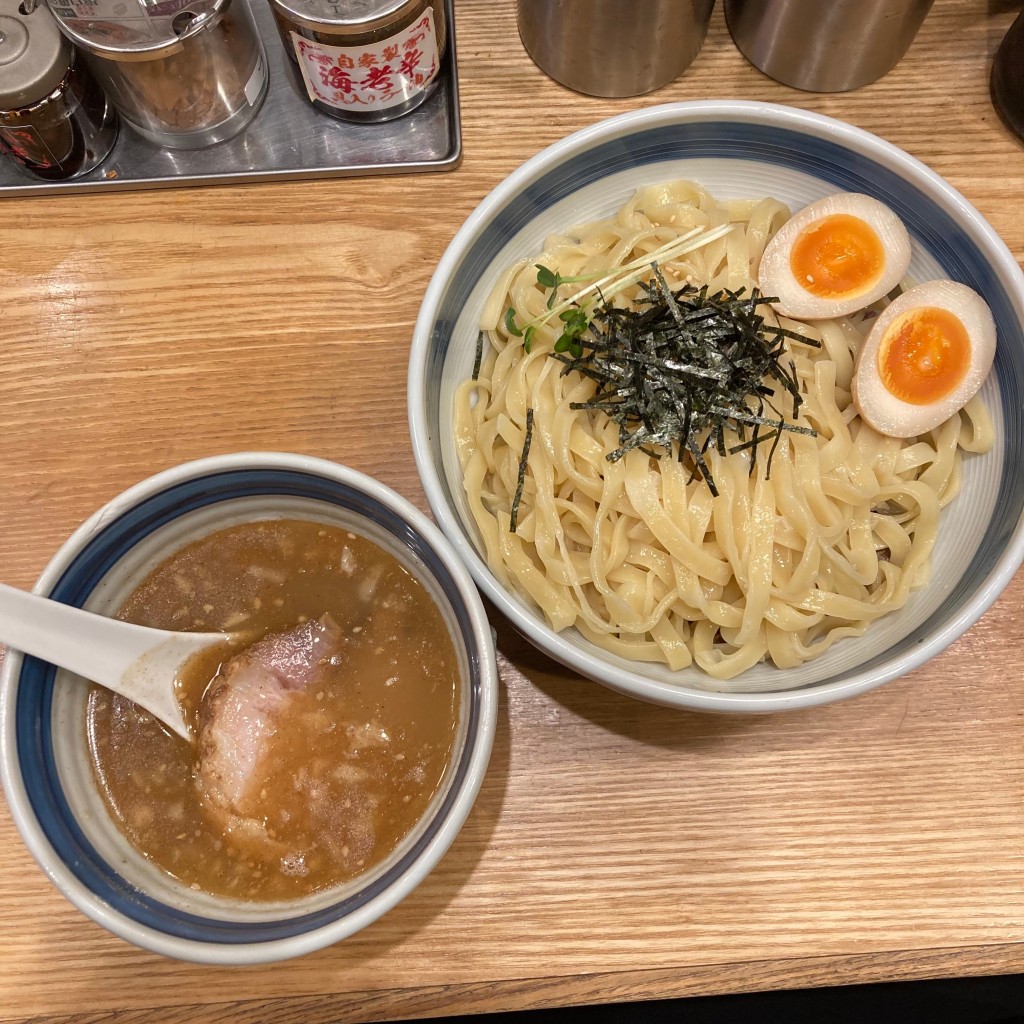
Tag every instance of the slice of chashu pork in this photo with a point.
(243, 711)
(258, 695)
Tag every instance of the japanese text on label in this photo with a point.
(370, 77)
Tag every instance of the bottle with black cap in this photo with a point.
(55, 121)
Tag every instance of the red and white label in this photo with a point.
(365, 78)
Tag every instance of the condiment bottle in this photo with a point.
(55, 121)
(182, 73)
(364, 60)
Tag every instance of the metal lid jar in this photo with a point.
(182, 73)
(364, 60)
(55, 121)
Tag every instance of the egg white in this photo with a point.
(890, 415)
(776, 277)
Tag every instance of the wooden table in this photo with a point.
(617, 851)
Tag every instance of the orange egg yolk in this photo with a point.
(837, 256)
(924, 355)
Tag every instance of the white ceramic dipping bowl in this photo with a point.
(46, 770)
(738, 150)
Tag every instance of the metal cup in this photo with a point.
(825, 45)
(614, 47)
(1007, 81)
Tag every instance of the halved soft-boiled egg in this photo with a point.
(925, 358)
(834, 257)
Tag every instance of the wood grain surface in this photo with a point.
(617, 850)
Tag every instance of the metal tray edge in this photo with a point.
(449, 162)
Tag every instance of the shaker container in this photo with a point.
(825, 45)
(364, 60)
(55, 122)
(183, 73)
(614, 47)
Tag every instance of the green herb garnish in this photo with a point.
(517, 332)
(605, 284)
(514, 519)
(575, 322)
(547, 278)
(552, 279)
(510, 323)
(684, 368)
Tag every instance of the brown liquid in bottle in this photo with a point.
(64, 135)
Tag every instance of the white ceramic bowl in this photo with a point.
(738, 149)
(46, 771)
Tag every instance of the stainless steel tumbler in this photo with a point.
(825, 45)
(1007, 81)
(614, 47)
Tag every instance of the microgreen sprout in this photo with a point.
(518, 332)
(510, 323)
(575, 322)
(605, 284)
(552, 279)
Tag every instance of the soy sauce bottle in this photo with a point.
(1007, 82)
(55, 121)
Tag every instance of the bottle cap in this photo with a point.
(355, 18)
(135, 29)
(34, 56)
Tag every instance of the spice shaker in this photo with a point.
(364, 60)
(614, 47)
(55, 121)
(182, 73)
(825, 45)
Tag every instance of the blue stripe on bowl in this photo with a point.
(34, 737)
(848, 170)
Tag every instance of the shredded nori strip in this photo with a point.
(684, 368)
(514, 521)
(479, 355)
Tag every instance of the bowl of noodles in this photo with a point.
(788, 556)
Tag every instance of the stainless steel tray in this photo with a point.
(289, 138)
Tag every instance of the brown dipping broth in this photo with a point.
(357, 758)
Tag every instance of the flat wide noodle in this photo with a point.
(637, 554)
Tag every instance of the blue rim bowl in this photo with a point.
(45, 771)
(737, 149)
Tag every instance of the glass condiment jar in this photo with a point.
(182, 73)
(364, 60)
(55, 121)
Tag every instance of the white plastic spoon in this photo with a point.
(135, 661)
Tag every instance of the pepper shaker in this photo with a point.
(55, 121)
